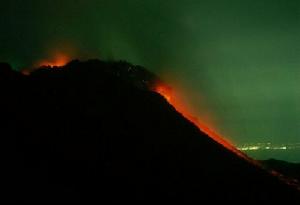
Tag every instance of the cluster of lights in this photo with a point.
(268, 146)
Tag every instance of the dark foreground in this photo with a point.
(94, 131)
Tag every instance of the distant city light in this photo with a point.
(268, 146)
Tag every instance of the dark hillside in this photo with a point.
(94, 131)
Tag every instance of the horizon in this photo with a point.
(257, 150)
(235, 63)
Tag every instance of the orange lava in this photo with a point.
(58, 59)
(175, 100)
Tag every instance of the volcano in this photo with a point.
(97, 131)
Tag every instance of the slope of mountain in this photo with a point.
(94, 131)
(288, 169)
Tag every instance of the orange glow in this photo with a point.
(58, 59)
(25, 72)
(176, 101)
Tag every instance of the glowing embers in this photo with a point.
(176, 100)
(164, 91)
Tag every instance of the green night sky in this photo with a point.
(238, 59)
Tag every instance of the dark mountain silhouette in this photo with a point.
(94, 131)
(289, 169)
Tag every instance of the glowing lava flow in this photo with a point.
(180, 107)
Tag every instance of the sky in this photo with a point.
(237, 61)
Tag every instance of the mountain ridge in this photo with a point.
(84, 132)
